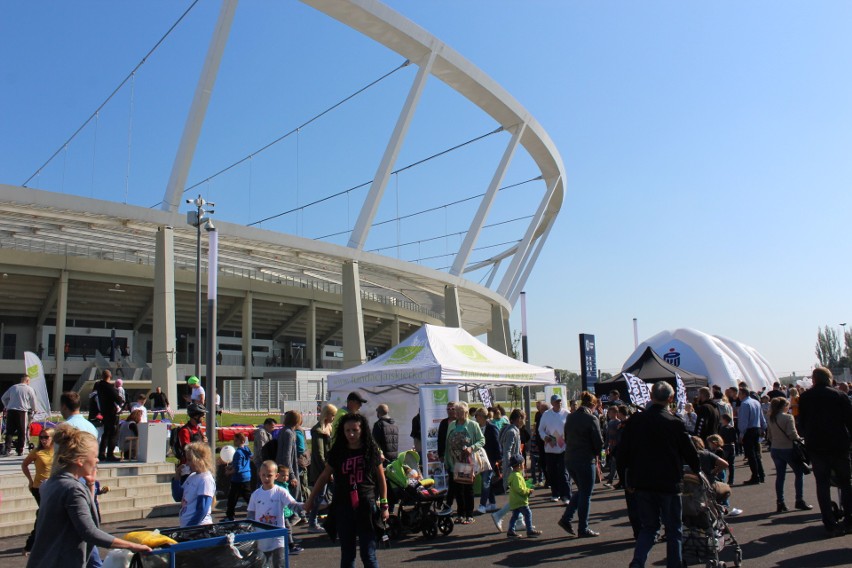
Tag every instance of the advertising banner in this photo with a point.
(35, 371)
(485, 397)
(588, 360)
(433, 409)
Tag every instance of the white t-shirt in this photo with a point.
(144, 410)
(195, 485)
(268, 506)
(553, 425)
(196, 394)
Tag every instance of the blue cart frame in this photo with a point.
(266, 531)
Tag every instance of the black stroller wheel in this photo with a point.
(445, 525)
(430, 531)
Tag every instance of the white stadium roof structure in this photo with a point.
(107, 249)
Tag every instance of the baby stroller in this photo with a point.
(416, 502)
(705, 532)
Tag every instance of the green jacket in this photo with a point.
(519, 493)
(477, 440)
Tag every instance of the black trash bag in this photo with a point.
(220, 556)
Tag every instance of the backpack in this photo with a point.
(269, 451)
(174, 441)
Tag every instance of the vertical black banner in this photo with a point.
(588, 361)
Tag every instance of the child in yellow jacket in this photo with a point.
(519, 498)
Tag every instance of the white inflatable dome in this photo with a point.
(723, 361)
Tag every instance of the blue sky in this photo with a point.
(707, 146)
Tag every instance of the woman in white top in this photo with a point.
(781, 432)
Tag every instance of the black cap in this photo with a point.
(354, 395)
(516, 459)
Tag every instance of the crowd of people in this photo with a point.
(339, 474)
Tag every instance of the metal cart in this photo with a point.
(243, 532)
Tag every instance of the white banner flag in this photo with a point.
(433, 409)
(681, 395)
(35, 371)
(485, 397)
(637, 390)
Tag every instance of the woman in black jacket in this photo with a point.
(487, 503)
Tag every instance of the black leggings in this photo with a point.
(238, 489)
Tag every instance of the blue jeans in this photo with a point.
(781, 459)
(350, 526)
(525, 511)
(485, 495)
(652, 508)
(557, 474)
(583, 473)
(824, 465)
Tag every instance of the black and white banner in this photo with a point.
(637, 390)
(485, 397)
(681, 395)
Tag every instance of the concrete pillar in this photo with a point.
(164, 344)
(497, 335)
(395, 331)
(452, 311)
(61, 316)
(354, 351)
(311, 337)
(248, 327)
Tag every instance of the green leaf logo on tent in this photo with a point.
(471, 353)
(557, 391)
(404, 355)
(32, 371)
(440, 397)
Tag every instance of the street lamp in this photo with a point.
(197, 218)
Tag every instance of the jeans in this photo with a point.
(485, 496)
(582, 471)
(30, 539)
(318, 499)
(238, 489)
(275, 558)
(751, 449)
(824, 465)
(350, 526)
(557, 473)
(781, 459)
(652, 508)
(525, 511)
(730, 455)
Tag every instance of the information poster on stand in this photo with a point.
(433, 409)
(558, 390)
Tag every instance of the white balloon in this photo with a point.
(227, 453)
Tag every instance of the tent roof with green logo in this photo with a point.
(434, 355)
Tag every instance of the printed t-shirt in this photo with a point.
(268, 507)
(196, 485)
(354, 481)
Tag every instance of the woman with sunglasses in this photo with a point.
(42, 457)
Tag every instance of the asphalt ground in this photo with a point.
(790, 540)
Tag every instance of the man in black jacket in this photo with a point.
(825, 416)
(583, 445)
(386, 434)
(110, 402)
(653, 450)
(707, 415)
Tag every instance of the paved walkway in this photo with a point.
(790, 540)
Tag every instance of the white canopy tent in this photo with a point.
(432, 355)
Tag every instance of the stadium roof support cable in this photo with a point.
(114, 92)
(360, 185)
(296, 131)
(455, 234)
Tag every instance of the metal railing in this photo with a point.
(140, 257)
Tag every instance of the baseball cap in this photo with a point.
(193, 380)
(516, 459)
(354, 395)
(555, 397)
